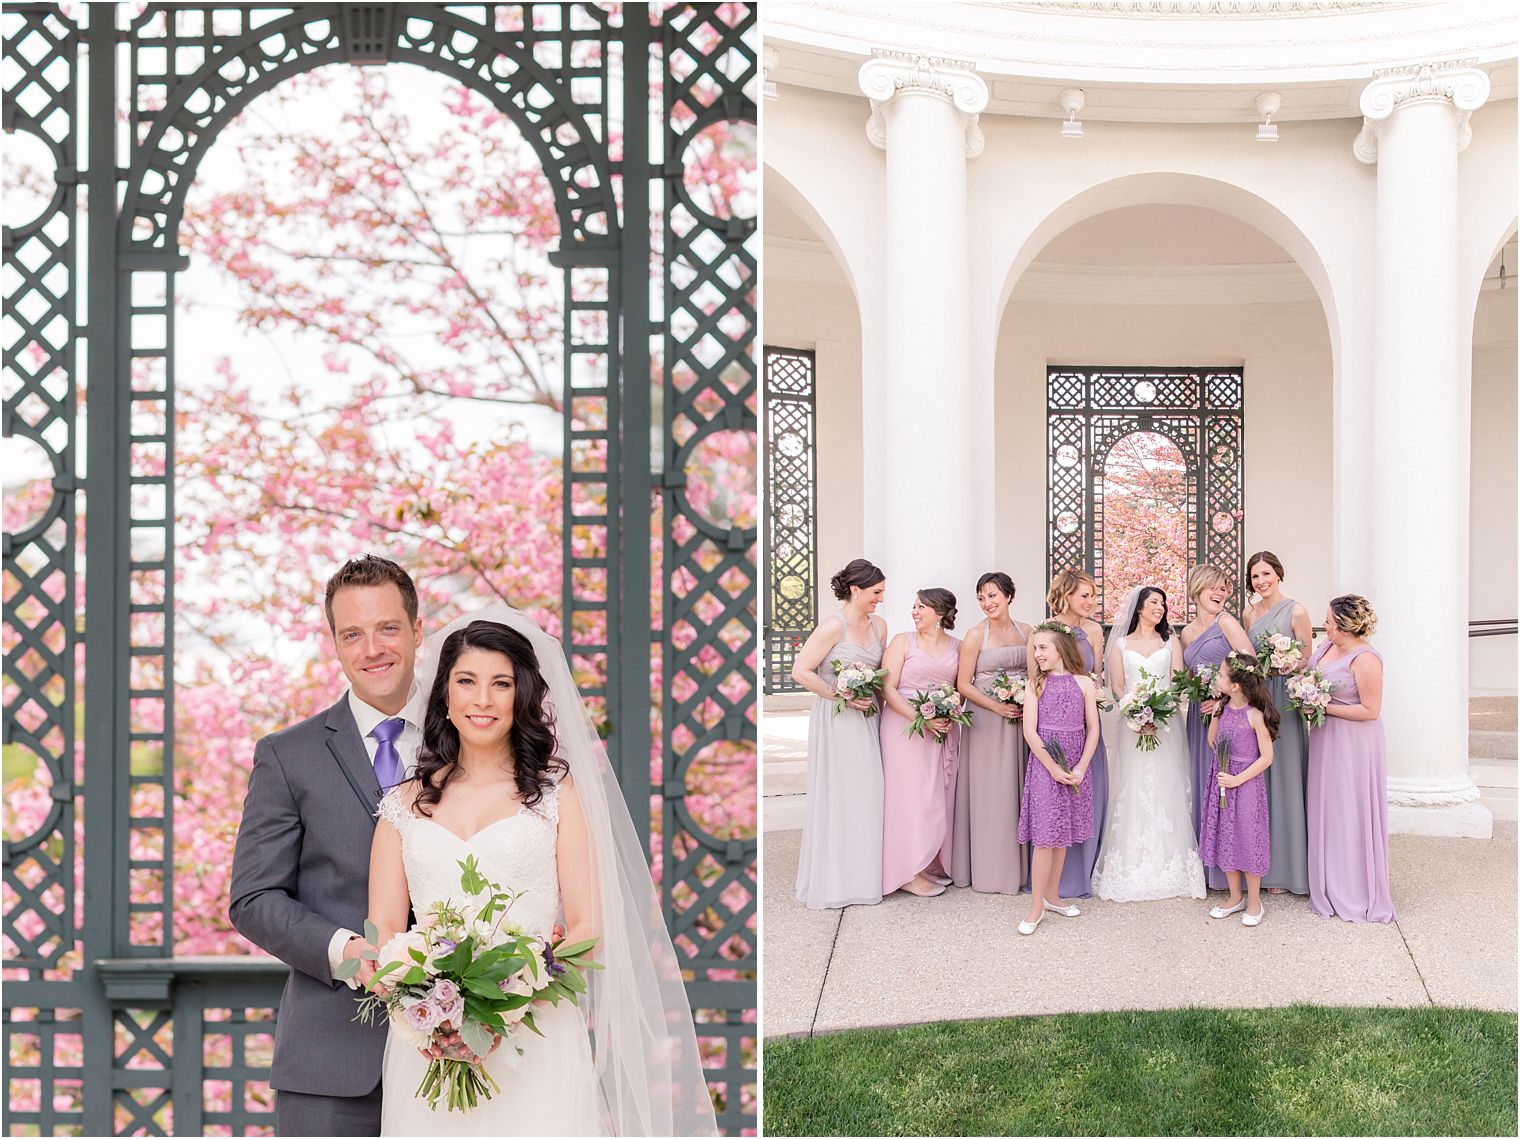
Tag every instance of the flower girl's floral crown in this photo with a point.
(1244, 662)
(1054, 626)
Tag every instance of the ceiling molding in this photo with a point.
(793, 259)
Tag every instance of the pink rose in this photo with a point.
(926, 709)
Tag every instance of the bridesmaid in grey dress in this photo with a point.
(1286, 779)
(1207, 639)
(841, 832)
(987, 854)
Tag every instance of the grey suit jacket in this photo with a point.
(300, 872)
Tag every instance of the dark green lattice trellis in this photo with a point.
(1200, 410)
(791, 512)
(97, 981)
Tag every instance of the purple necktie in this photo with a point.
(387, 758)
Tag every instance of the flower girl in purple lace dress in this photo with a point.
(1061, 728)
(1237, 834)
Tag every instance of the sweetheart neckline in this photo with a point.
(466, 841)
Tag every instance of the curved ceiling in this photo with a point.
(1150, 60)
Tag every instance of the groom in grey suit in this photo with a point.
(300, 873)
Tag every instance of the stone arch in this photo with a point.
(1184, 189)
(796, 200)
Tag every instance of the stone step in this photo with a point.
(785, 777)
(1491, 744)
(787, 702)
(1495, 772)
(1503, 802)
(1493, 713)
(785, 812)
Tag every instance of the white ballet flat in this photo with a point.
(1028, 927)
(937, 879)
(1253, 919)
(1065, 911)
(1221, 912)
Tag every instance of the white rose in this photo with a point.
(399, 949)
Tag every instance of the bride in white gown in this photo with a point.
(1149, 849)
(510, 771)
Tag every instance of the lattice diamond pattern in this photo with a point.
(1200, 410)
(38, 331)
(791, 513)
(710, 388)
(44, 1072)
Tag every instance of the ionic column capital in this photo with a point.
(1456, 83)
(889, 74)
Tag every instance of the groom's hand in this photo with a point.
(351, 951)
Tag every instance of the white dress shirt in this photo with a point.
(368, 718)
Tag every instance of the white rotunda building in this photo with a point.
(1280, 236)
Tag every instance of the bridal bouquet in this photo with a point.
(466, 969)
(942, 703)
(1309, 692)
(1279, 653)
(1146, 709)
(1007, 688)
(853, 681)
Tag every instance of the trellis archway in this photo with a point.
(1199, 410)
(86, 978)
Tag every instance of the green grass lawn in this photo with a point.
(1291, 1071)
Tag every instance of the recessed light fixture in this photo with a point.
(1072, 101)
(1268, 103)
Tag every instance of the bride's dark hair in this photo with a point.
(531, 738)
(1164, 629)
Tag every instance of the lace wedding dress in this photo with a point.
(551, 1089)
(1149, 849)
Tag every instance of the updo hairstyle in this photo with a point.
(942, 601)
(858, 573)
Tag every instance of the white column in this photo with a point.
(923, 114)
(1416, 123)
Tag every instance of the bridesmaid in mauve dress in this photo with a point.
(918, 771)
(986, 853)
(1207, 639)
(1348, 774)
(1071, 598)
(1275, 613)
(841, 832)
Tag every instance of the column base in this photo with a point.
(1464, 820)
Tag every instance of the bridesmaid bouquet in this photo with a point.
(1058, 757)
(1222, 753)
(464, 968)
(1197, 686)
(1309, 692)
(1146, 710)
(1007, 688)
(855, 680)
(942, 703)
(1104, 704)
(1280, 653)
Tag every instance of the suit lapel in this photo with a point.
(347, 747)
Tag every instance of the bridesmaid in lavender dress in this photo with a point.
(1207, 639)
(1348, 774)
(1237, 837)
(841, 833)
(986, 853)
(1057, 812)
(1071, 598)
(1275, 613)
(918, 771)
